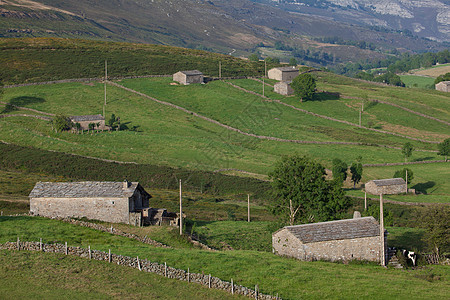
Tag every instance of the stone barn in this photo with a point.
(386, 186)
(85, 120)
(283, 88)
(188, 77)
(283, 73)
(443, 86)
(341, 240)
(117, 202)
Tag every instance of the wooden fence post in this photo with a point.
(256, 292)
(40, 244)
(209, 280)
(66, 252)
(232, 287)
(18, 243)
(90, 253)
(139, 264)
(165, 269)
(188, 276)
(109, 255)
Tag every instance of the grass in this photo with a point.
(56, 276)
(434, 71)
(418, 81)
(291, 278)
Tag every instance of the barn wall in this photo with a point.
(286, 244)
(104, 209)
(443, 87)
(283, 89)
(371, 188)
(289, 76)
(179, 77)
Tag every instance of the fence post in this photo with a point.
(109, 255)
(139, 264)
(40, 244)
(256, 292)
(209, 280)
(65, 250)
(18, 243)
(90, 253)
(188, 276)
(232, 287)
(165, 269)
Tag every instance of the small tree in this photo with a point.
(357, 170)
(61, 123)
(304, 86)
(303, 194)
(402, 174)
(339, 169)
(435, 219)
(91, 126)
(78, 126)
(293, 61)
(444, 148)
(407, 150)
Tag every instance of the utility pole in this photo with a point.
(106, 78)
(406, 181)
(248, 210)
(360, 118)
(220, 69)
(265, 71)
(365, 201)
(383, 250)
(181, 213)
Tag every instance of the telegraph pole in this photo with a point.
(106, 78)
(220, 69)
(383, 251)
(406, 180)
(248, 209)
(181, 213)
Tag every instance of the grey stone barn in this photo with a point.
(87, 119)
(386, 186)
(443, 86)
(117, 202)
(283, 88)
(283, 73)
(188, 77)
(342, 240)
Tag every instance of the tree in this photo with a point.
(356, 169)
(444, 148)
(339, 169)
(435, 219)
(253, 57)
(61, 123)
(302, 193)
(402, 174)
(304, 86)
(445, 77)
(407, 150)
(293, 62)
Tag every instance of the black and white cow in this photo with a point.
(410, 255)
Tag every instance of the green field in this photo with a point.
(291, 278)
(416, 81)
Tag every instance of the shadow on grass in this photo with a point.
(325, 96)
(424, 158)
(410, 239)
(25, 100)
(423, 187)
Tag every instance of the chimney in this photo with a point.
(126, 184)
(356, 214)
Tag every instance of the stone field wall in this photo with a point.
(141, 264)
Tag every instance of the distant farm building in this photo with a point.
(283, 73)
(443, 86)
(342, 240)
(283, 88)
(188, 77)
(117, 202)
(386, 186)
(85, 120)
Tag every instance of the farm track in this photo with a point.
(261, 137)
(337, 120)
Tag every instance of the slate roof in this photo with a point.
(287, 69)
(192, 72)
(87, 189)
(387, 182)
(336, 230)
(87, 118)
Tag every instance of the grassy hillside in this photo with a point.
(43, 59)
(273, 274)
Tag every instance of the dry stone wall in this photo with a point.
(141, 264)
